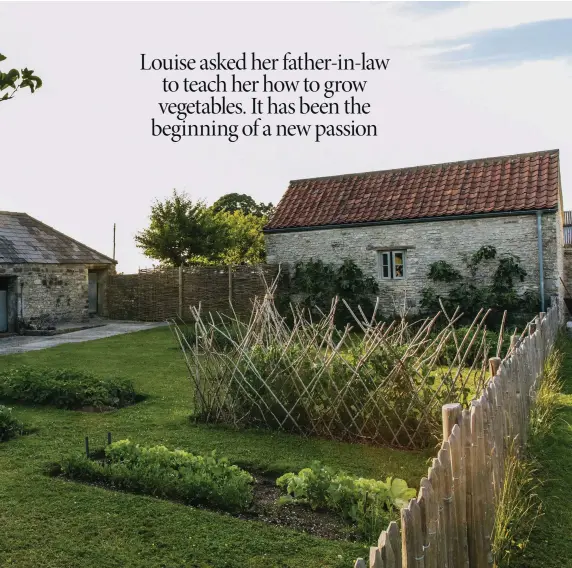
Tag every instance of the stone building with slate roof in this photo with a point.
(45, 274)
(394, 224)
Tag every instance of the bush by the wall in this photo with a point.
(366, 502)
(65, 388)
(169, 474)
(9, 426)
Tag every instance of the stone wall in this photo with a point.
(56, 290)
(425, 243)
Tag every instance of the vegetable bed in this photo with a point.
(65, 388)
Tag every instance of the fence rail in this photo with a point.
(449, 524)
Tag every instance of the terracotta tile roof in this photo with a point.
(489, 185)
(24, 239)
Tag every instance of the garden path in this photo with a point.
(21, 344)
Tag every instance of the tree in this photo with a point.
(245, 242)
(182, 232)
(232, 202)
(17, 79)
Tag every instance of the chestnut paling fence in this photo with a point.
(451, 521)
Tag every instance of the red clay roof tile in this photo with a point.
(502, 184)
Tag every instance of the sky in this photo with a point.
(465, 80)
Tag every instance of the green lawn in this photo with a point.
(550, 545)
(47, 522)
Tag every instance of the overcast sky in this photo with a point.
(465, 80)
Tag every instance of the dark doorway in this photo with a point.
(8, 304)
(92, 292)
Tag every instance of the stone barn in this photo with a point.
(394, 224)
(46, 275)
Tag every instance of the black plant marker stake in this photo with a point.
(87, 447)
(109, 438)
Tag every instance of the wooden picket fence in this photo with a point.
(449, 524)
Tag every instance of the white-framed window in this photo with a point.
(391, 264)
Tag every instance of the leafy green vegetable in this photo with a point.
(366, 502)
(65, 388)
(166, 473)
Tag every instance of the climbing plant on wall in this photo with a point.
(488, 281)
(315, 284)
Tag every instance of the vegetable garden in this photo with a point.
(376, 382)
(309, 421)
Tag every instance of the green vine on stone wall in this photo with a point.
(497, 292)
(315, 284)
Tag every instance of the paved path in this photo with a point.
(20, 344)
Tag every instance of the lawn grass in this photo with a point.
(550, 544)
(54, 523)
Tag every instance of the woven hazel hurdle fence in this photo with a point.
(450, 523)
(157, 294)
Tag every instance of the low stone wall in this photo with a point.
(153, 295)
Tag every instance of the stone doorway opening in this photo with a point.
(8, 304)
(96, 287)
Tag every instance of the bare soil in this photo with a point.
(322, 523)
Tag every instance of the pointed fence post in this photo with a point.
(180, 310)
(494, 364)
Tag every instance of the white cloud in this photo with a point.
(473, 17)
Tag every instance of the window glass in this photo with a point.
(391, 264)
(398, 264)
(385, 268)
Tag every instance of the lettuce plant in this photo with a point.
(366, 502)
(171, 474)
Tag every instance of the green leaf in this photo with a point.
(399, 493)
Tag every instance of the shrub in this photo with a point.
(9, 426)
(366, 502)
(65, 388)
(165, 473)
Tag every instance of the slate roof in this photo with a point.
(24, 239)
(520, 182)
